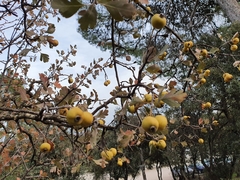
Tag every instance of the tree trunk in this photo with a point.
(231, 8)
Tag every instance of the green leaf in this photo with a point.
(154, 69)
(44, 57)
(66, 8)
(89, 18)
(119, 9)
(171, 102)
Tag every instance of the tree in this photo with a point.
(51, 129)
(231, 8)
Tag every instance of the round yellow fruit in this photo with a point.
(162, 122)
(185, 49)
(152, 143)
(158, 21)
(204, 52)
(119, 162)
(203, 81)
(148, 8)
(233, 47)
(208, 105)
(107, 155)
(63, 111)
(161, 144)
(101, 122)
(227, 77)
(86, 119)
(45, 147)
(70, 80)
(107, 82)
(200, 141)
(207, 73)
(74, 116)
(188, 44)
(235, 40)
(148, 97)
(114, 151)
(158, 103)
(164, 138)
(150, 124)
(132, 109)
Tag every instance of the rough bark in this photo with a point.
(231, 8)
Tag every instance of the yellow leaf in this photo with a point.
(100, 162)
(184, 143)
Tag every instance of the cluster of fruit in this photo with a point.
(77, 117)
(186, 46)
(155, 124)
(149, 98)
(109, 154)
(160, 144)
(234, 43)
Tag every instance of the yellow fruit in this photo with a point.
(158, 103)
(164, 138)
(227, 77)
(101, 121)
(185, 49)
(235, 40)
(107, 155)
(233, 47)
(215, 123)
(162, 122)
(162, 56)
(86, 119)
(63, 111)
(70, 80)
(119, 162)
(74, 116)
(152, 143)
(148, 97)
(45, 147)
(202, 80)
(204, 52)
(186, 117)
(208, 105)
(114, 151)
(107, 82)
(132, 109)
(158, 21)
(200, 141)
(150, 124)
(188, 44)
(207, 73)
(161, 144)
(148, 8)
(203, 105)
